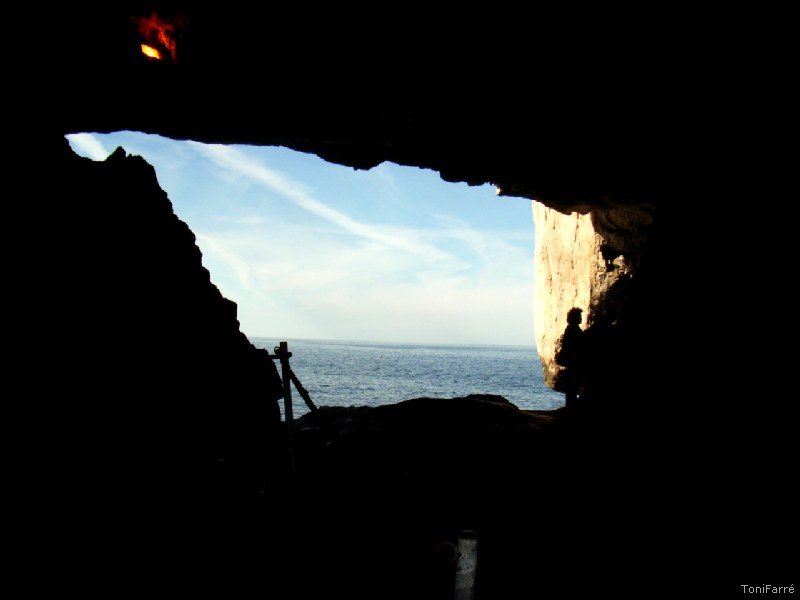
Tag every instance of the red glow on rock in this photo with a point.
(157, 32)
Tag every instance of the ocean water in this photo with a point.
(345, 373)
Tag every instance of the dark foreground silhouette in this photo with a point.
(572, 356)
(161, 462)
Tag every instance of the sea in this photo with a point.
(353, 373)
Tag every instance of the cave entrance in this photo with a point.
(433, 280)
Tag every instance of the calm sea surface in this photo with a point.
(341, 373)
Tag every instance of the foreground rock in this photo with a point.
(386, 489)
(383, 491)
(444, 438)
(154, 414)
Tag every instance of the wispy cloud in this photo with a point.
(332, 288)
(407, 240)
(348, 289)
(232, 259)
(215, 249)
(337, 261)
(484, 241)
(88, 145)
(383, 172)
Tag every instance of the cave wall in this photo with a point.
(150, 400)
(359, 94)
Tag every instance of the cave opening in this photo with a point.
(610, 120)
(390, 283)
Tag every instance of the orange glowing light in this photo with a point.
(151, 52)
(159, 35)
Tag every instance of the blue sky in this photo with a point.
(310, 249)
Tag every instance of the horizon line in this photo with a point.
(397, 343)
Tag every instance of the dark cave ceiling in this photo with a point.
(509, 102)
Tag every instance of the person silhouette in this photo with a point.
(570, 355)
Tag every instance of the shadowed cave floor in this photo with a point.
(381, 492)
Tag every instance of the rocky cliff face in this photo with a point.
(566, 261)
(150, 400)
(585, 258)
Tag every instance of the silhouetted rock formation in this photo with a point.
(382, 488)
(402, 479)
(458, 437)
(163, 414)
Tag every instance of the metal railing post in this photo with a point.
(467, 565)
(283, 354)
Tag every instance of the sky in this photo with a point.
(313, 250)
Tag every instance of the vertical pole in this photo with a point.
(284, 355)
(467, 565)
